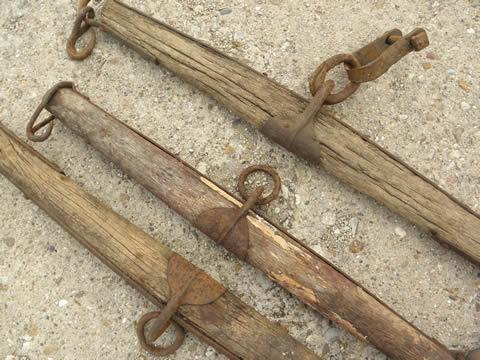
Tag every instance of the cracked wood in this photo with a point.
(228, 324)
(342, 151)
(281, 257)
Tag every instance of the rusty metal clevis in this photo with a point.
(294, 132)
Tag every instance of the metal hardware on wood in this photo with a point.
(378, 56)
(31, 127)
(229, 226)
(370, 62)
(295, 132)
(188, 286)
(318, 77)
(83, 22)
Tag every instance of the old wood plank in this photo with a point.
(284, 259)
(345, 153)
(227, 324)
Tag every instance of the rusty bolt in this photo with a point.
(419, 41)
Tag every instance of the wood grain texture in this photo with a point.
(283, 258)
(345, 153)
(227, 324)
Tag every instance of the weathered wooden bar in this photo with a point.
(228, 324)
(344, 152)
(280, 256)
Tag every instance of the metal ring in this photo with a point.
(157, 350)
(80, 27)
(31, 127)
(319, 75)
(242, 189)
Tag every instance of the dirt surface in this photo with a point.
(59, 302)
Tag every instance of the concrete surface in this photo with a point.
(59, 302)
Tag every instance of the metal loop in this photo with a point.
(242, 189)
(32, 129)
(157, 350)
(319, 75)
(80, 27)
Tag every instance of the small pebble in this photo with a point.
(464, 85)
(202, 167)
(27, 338)
(329, 219)
(465, 106)
(402, 117)
(457, 134)
(354, 225)
(331, 335)
(9, 241)
(210, 353)
(50, 349)
(456, 154)
(451, 72)
(62, 303)
(401, 233)
(356, 246)
(470, 31)
(225, 11)
(427, 66)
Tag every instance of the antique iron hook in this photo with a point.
(83, 22)
(188, 286)
(32, 129)
(229, 226)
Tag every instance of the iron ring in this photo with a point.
(242, 189)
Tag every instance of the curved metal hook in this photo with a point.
(150, 347)
(80, 27)
(31, 127)
(277, 184)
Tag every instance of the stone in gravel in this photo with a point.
(457, 134)
(465, 106)
(427, 66)
(225, 11)
(50, 349)
(470, 31)
(356, 246)
(202, 167)
(329, 218)
(464, 85)
(401, 233)
(354, 225)
(456, 154)
(9, 241)
(62, 303)
(402, 117)
(331, 335)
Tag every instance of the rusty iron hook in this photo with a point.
(83, 22)
(32, 129)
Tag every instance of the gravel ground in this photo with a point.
(59, 302)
